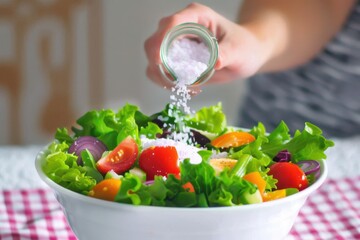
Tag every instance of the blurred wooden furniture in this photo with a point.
(40, 40)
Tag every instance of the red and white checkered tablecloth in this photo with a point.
(32, 214)
(333, 212)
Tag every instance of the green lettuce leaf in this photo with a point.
(308, 144)
(202, 175)
(210, 119)
(62, 135)
(151, 130)
(141, 119)
(231, 190)
(109, 127)
(93, 123)
(90, 166)
(227, 189)
(276, 140)
(123, 122)
(132, 191)
(62, 168)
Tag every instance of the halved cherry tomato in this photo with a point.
(255, 178)
(159, 160)
(232, 139)
(106, 189)
(120, 159)
(289, 175)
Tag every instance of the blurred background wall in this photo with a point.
(61, 58)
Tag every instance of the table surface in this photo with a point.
(20, 184)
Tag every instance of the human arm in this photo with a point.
(293, 31)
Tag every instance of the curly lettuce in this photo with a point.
(62, 168)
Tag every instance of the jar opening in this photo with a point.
(193, 32)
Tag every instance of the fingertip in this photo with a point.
(225, 56)
(218, 64)
(152, 49)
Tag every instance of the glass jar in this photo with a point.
(195, 32)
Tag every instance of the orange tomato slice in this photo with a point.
(232, 139)
(255, 178)
(107, 189)
(277, 194)
(188, 187)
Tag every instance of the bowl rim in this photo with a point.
(109, 204)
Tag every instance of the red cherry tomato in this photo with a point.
(120, 159)
(289, 175)
(159, 160)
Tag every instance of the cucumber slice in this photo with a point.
(138, 172)
(248, 198)
(112, 174)
(291, 191)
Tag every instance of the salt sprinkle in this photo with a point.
(188, 59)
(184, 150)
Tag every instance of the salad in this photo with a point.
(131, 157)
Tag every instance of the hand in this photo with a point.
(241, 53)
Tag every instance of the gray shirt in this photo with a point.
(325, 91)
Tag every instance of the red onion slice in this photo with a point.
(309, 166)
(283, 156)
(150, 182)
(92, 144)
(199, 138)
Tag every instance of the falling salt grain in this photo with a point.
(188, 59)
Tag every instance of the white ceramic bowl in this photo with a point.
(92, 218)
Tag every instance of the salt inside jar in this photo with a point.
(188, 53)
